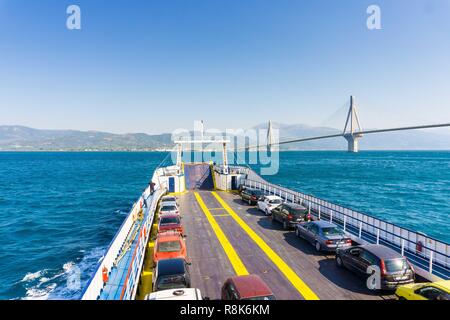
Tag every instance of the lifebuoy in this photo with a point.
(419, 246)
(105, 274)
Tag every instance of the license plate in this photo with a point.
(400, 278)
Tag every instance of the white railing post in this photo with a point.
(360, 229)
(378, 236)
(431, 262)
(345, 222)
(319, 211)
(331, 216)
(403, 247)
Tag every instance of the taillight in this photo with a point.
(329, 242)
(289, 216)
(383, 268)
(253, 197)
(348, 241)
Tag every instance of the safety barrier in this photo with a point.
(430, 255)
(137, 261)
(96, 283)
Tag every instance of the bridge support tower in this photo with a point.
(351, 135)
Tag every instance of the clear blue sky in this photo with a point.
(152, 66)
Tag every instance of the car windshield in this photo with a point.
(395, 265)
(169, 220)
(168, 199)
(171, 282)
(275, 201)
(332, 231)
(168, 208)
(271, 297)
(169, 246)
(257, 192)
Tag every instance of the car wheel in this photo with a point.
(402, 298)
(249, 202)
(267, 212)
(339, 262)
(317, 245)
(285, 225)
(297, 233)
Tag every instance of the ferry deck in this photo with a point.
(212, 265)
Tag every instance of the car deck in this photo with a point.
(290, 266)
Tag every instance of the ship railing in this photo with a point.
(131, 284)
(96, 284)
(424, 252)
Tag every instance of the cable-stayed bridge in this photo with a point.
(352, 131)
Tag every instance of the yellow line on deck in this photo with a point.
(298, 283)
(236, 262)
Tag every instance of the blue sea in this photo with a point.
(59, 211)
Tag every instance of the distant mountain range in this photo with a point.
(20, 138)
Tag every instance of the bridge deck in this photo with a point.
(211, 265)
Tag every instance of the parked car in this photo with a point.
(289, 214)
(176, 294)
(394, 269)
(165, 208)
(169, 200)
(171, 274)
(268, 203)
(249, 287)
(251, 196)
(169, 245)
(325, 236)
(439, 290)
(170, 222)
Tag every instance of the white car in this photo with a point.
(176, 294)
(168, 207)
(168, 199)
(268, 203)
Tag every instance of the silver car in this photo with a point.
(325, 236)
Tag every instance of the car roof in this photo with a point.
(169, 215)
(294, 205)
(168, 236)
(170, 266)
(323, 224)
(274, 198)
(444, 285)
(382, 251)
(251, 286)
(176, 294)
(168, 204)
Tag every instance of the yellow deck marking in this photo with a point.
(236, 262)
(298, 283)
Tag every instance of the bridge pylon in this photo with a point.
(269, 137)
(352, 135)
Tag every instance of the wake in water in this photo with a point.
(65, 283)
